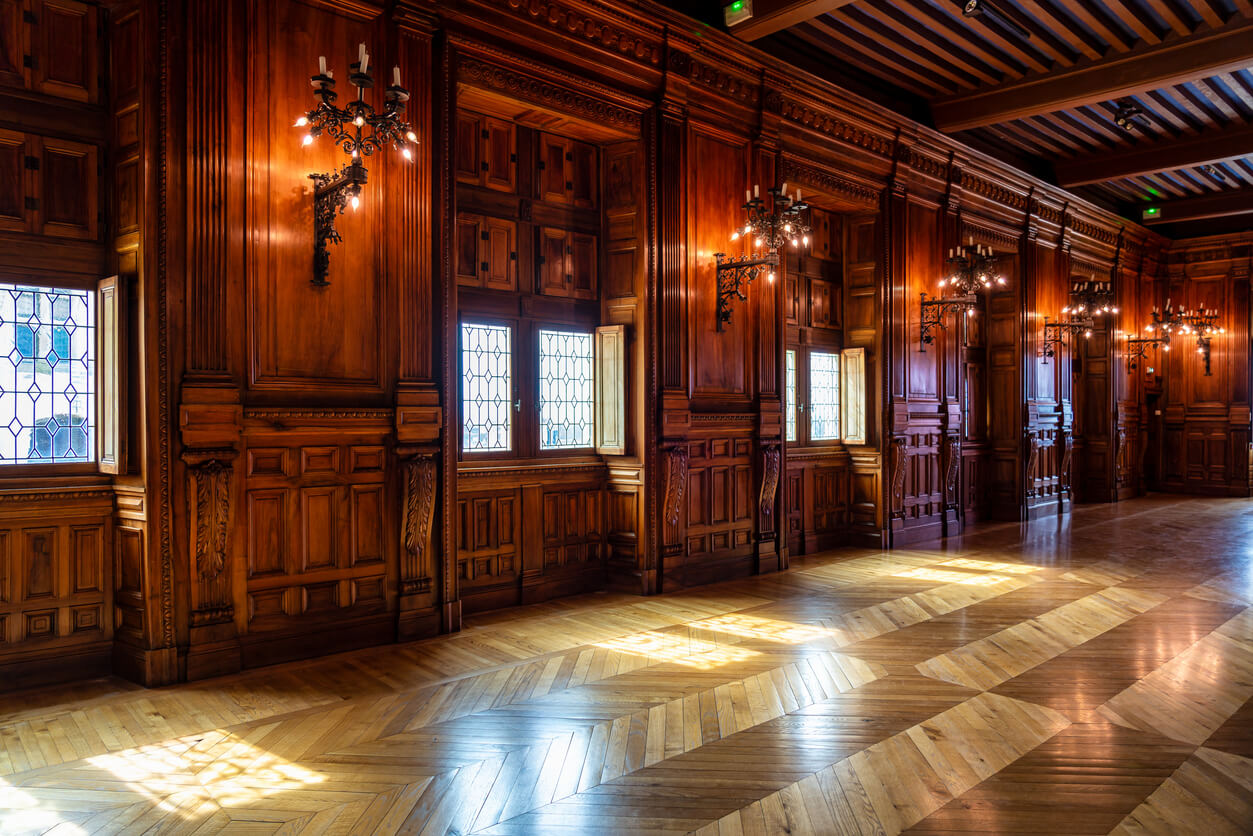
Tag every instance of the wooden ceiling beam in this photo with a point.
(1171, 62)
(770, 16)
(1210, 147)
(1220, 205)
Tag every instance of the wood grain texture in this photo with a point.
(787, 703)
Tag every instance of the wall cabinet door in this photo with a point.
(68, 201)
(486, 255)
(64, 49)
(499, 254)
(15, 183)
(568, 171)
(486, 152)
(553, 270)
(569, 263)
(13, 33)
(499, 163)
(554, 152)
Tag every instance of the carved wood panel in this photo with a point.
(316, 517)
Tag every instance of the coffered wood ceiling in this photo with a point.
(1049, 100)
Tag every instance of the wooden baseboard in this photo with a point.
(258, 649)
(148, 667)
(55, 665)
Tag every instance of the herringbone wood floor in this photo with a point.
(1087, 675)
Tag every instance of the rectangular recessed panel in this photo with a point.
(319, 460)
(318, 508)
(367, 524)
(87, 558)
(39, 563)
(267, 524)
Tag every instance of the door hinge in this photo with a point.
(483, 266)
(487, 134)
(29, 17)
(542, 165)
(483, 235)
(483, 165)
(32, 163)
(32, 203)
(513, 158)
(29, 62)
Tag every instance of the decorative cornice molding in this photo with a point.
(539, 91)
(597, 31)
(835, 128)
(707, 75)
(828, 181)
(63, 495)
(993, 191)
(266, 414)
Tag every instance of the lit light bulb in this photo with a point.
(407, 153)
(794, 242)
(747, 229)
(411, 136)
(1087, 334)
(759, 242)
(805, 240)
(1065, 310)
(1148, 328)
(1200, 350)
(943, 282)
(301, 122)
(1000, 280)
(354, 153)
(770, 277)
(787, 227)
(1113, 310)
(970, 311)
(1165, 348)
(358, 121)
(735, 236)
(356, 202)
(308, 140)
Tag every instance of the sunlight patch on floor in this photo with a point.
(682, 650)
(768, 629)
(942, 576)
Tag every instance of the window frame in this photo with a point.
(540, 449)
(92, 467)
(804, 439)
(479, 319)
(838, 438)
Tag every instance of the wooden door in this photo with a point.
(554, 155)
(553, 271)
(15, 185)
(67, 194)
(499, 255)
(499, 155)
(64, 41)
(468, 242)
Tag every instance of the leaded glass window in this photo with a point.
(486, 387)
(566, 393)
(789, 388)
(824, 395)
(47, 375)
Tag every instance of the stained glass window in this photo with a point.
(47, 374)
(566, 393)
(486, 387)
(824, 395)
(790, 394)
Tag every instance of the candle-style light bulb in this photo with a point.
(735, 236)
(407, 153)
(359, 121)
(356, 202)
(301, 122)
(770, 277)
(411, 136)
(756, 190)
(308, 140)
(396, 76)
(321, 65)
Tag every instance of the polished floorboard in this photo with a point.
(1084, 675)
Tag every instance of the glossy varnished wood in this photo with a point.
(1087, 676)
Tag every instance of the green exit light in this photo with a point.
(1151, 212)
(737, 12)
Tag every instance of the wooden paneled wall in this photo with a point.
(292, 480)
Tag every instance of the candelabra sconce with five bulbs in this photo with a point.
(347, 127)
(972, 267)
(770, 228)
(1199, 322)
(1055, 332)
(1091, 298)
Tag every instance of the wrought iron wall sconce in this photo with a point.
(334, 192)
(771, 228)
(934, 311)
(1055, 332)
(1137, 348)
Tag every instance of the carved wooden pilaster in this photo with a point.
(770, 460)
(420, 474)
(1033, 464)
(952, 467)
(673, 488)
(1067, 440)
(209, 517)
(900, 457)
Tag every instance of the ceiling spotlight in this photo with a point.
(983, 8)
(1129, 115)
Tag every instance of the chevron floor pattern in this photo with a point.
(1090, 675)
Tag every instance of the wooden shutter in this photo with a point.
(111, 375)
(853, 395)
(611, 390)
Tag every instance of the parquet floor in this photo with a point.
(1084, 676)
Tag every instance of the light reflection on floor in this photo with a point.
(682, 650)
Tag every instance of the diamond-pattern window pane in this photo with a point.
(789, 389)
(47, 375)
(824, 395)
(566, 393)
(486, 387)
